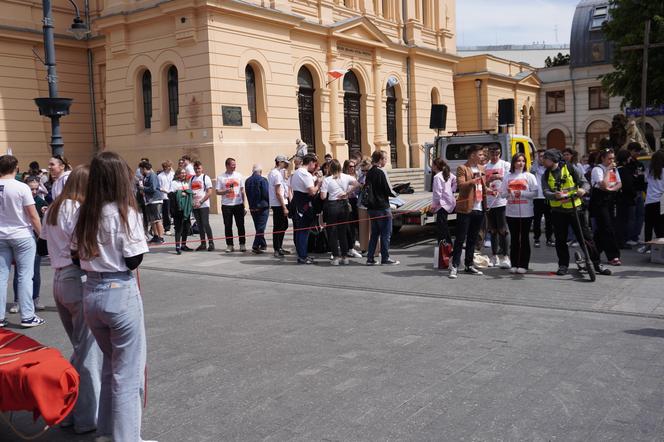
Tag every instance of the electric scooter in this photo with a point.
(583, 263)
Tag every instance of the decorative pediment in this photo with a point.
(531, 80)
(360, 30)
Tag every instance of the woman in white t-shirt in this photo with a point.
(59, 224)
(520, 188)
(336, 189)
(18, 219)
(605, 182)
(654, 194)
(110, 243)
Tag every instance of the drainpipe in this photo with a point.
(571, 74)
(404, 11)
(91, 83)
(478, 86)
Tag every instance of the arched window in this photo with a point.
(305, 104)
(555, 139)
(524, 120)
(250, 77)
(435, 96)
(173, 103)
(352, 113)
(597, 130)
(146, 86)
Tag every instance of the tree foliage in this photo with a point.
(626, 27)
(558, 60)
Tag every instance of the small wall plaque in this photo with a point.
(232, 115)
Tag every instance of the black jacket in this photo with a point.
(379, 191)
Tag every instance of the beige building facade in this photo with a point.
(244, 79)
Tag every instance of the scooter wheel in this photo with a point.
(591, 271)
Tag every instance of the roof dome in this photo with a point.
(588, 46)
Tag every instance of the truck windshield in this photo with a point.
(459, 151)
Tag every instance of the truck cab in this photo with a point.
(454, 149)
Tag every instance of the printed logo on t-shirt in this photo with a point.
(518, 184)
(613, 178)
(232, 185)
(478, 192)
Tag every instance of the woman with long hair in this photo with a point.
(605, 182)
(520, 189)
(335, 190)
(655, 179)
(443, 201)
(182, 200)
(110, 243)
(350, 168)
(57, 230)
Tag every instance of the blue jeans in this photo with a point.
(113, 310)
(302, 226)
(36, 280)
(260, 217)
(87, 357)
(637, 220)
(22, 251)
(381, 225)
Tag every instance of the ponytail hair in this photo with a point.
(442, 166)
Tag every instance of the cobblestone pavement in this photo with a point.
(244, 347)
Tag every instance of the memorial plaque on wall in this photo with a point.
(232, 115)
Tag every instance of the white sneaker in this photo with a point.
(243, 248)
(575, 244)
(631, 243)
(14, 308)
(642, 249)
(521, 271)
(334, 262)
(352, 253)
(513, 270)
(453, 273)
(493, 261)
(505, 263)
(230, 249)
(344, 261)
(487, 243)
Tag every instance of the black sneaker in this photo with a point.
(178, 251)
(472, 270)
(550, 243)
(278, 254)
(390, 262)
(186, 249)
(210, 247)
(601, 270)
(562, 270)
(306, 261)
(154, 240)
(201, 248)
(537, 244)
(371, 262)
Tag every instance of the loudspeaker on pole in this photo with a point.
(506, 111)
(438, 118)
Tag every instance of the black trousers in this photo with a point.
(228, 213)
(336, 215)
(202, 216)
(166, 213)
(497, 226)
(542, 209)
(182, 226)
(353, 228)
(561, 224)
(654, 221)
(442, 226)
(279, 227)
(519, 241)
(605, 236)
(467, 229)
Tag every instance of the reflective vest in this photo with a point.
(566, 182)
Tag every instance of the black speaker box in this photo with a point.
(438, 118)
(506, 111)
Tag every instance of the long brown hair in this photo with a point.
(74, 189)
(657, 164)
(441, 166)
(111, 181)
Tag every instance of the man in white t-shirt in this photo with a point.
(305, 187)
(188, 166)
(165, 178)
(496, 169)
(201, 186)
(18, 220)
(278, 195)
(230, 185)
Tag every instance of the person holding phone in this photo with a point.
(605, 181)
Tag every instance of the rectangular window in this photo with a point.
(600, 15)
(555, 102)
(597, 98)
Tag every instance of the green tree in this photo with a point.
(626, 27)
(558, 60)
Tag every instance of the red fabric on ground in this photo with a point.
(41, 381)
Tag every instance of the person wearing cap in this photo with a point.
(278, 199)
(257, 189)
(557, 182)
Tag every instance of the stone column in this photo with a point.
(380, 134)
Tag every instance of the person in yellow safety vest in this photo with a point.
(563, 188)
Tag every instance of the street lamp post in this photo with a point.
(53, 106)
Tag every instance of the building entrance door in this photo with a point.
(305, 105)
(352, 113)
(391, 113)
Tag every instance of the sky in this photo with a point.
(490, 22)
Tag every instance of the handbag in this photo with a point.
(442, 253)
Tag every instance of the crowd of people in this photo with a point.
(95, 223)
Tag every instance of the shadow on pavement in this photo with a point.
(648, 332)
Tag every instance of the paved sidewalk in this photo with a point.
(244, 347)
